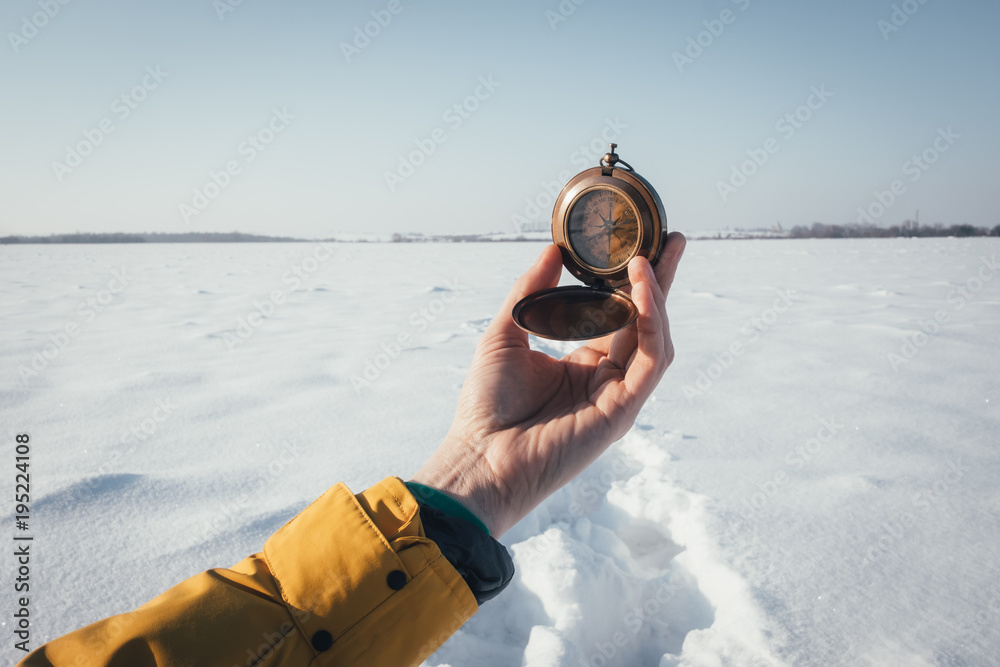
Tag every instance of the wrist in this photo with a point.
(461, 482)
(439, 500)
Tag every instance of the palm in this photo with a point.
(540, 411)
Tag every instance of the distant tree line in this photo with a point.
(453, 238)
(909, 228)
(154, 237)
(817, 231)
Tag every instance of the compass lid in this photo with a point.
(575, 312)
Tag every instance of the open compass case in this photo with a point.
(603, 218)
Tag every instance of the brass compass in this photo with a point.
(603, 218)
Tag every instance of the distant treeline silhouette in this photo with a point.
(239, 237)
(417, 237)
(908, 229)
(154, 237)
(818, 230)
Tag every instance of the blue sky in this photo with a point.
(458, 117)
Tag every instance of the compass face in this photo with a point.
(603, 228)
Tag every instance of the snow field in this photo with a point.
(813, 483)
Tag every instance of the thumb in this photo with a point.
(543, 274)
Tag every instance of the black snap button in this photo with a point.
(322, 640)
(396, 580)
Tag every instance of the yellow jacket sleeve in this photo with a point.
(352, 580)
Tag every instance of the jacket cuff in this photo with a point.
(363, 581)
(483, 562)
(428, 495)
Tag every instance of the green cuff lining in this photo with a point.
(445, 503)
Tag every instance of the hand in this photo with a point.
(526, 423)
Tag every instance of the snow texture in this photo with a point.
(814, 481)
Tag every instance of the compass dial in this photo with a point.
(603, 228)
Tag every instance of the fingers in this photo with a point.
(622, 347)
(544, 273)
(648, 362)
(655, 349)
(623, 344)
(670, 257)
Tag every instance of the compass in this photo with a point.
(602, 218)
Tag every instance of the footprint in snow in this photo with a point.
(616, 563)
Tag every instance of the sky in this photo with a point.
(316, 119)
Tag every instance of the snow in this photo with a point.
(813, 483)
